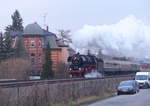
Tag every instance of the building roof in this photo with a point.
(61, 43)
(47, 33)
(52, 41)
(15, 33)
(71, 50)
(33, 29)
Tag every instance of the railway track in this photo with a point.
(23, 83)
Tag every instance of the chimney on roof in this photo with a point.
(47, 28)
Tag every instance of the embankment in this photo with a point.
(58, 93)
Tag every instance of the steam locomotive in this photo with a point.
(79, 65)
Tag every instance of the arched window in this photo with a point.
(32, 43)
(40, 43)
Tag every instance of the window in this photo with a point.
(39, 60)
(32, 60)
(40, 43)
(25, 42)
(32, 43)
(32, 54)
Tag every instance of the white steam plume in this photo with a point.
(129, 37)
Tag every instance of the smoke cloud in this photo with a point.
(129, 37)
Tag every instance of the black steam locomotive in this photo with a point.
(79, 64)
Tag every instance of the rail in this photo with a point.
(23, 83)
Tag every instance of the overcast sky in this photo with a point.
(73, 14)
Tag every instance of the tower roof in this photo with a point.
(33, 29)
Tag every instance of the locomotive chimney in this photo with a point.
(88, 52)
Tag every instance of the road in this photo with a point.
(140, 99)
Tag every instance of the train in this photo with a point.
(80, 65)
(120, 66)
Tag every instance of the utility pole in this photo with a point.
(44, 19)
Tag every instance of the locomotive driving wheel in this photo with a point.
(83, 75)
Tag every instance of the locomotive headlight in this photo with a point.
(80, 69)
(70, 69)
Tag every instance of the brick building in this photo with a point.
(35, 40)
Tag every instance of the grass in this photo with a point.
(92, 99)
(84, 101)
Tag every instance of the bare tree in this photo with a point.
(15, 68)
(65, 35)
